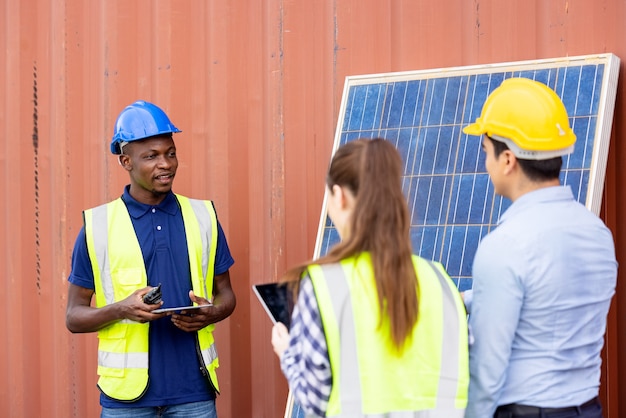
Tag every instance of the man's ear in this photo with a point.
(509, 161)
(124, 161)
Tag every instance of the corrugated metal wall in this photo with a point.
(255, 87)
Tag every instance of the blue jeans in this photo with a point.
(187, 410)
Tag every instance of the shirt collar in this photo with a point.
(543, 195)
(137, 209)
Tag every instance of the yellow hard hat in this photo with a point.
(529, 117)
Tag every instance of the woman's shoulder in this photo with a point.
(424, 262)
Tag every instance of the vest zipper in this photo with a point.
(203, 368)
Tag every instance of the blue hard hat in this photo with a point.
(138, 121)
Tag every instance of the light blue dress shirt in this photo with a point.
(543, 283)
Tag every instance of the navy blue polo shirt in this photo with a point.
(174, 367)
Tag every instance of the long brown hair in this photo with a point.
(380, 224)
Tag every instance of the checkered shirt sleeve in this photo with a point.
(305, 363)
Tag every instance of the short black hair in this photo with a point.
(535, 170)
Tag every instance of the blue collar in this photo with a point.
(137, 209)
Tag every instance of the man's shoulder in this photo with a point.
(104, 205)
(503, 242)
(181, 196)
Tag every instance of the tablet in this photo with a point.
(276, 299)
(180, 308)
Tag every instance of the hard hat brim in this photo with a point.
(475, 129)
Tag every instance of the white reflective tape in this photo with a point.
(350, 376)
(429, 413)
(99, 226)
(209, 355)
(449, 372)
(122, 360)
(204, 223)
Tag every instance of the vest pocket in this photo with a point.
(111, 372)
(127, 280)
(113, 332)
(112, 350)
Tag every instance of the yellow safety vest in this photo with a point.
(119, 270)
(428, 379)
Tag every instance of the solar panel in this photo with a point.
(448, 191)
(450, 197)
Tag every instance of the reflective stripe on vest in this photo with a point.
(451, 393)
(123, 360)
(123, 347)
(203, 237)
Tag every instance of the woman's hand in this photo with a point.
(280, 338)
